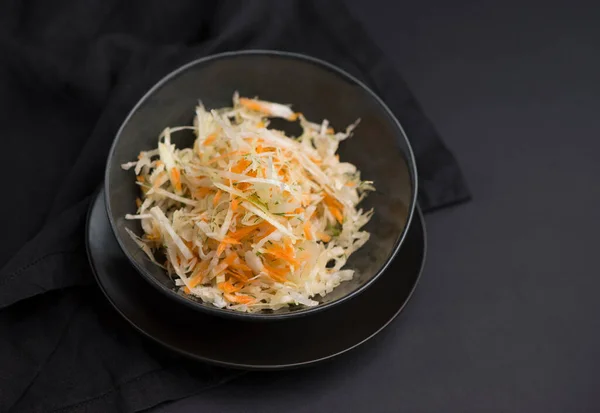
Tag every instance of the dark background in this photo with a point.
(506, 317)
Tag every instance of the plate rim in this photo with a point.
(96, 201)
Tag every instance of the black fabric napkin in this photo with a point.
(70, 71)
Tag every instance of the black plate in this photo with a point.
(245, 344)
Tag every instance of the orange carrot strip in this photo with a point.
(235, 202)
(240, 166)
(242, 232)
(217, 197)
(331, 201)
(199, 273)
(278, 253)
(218, 158)
(230, 259)
(277, 275)
(201, 192)
(138, 202)
(267, 232)
(176, 178)
(240, 266)
(237, 275)
(196, 280)
(140, 178)
(253, 105)
(209, 139)
(307, 230)
(240, 299)
(226, 241)
(228, 287)
(324, 237)
(289, 248)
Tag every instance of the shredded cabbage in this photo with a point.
(249, 218)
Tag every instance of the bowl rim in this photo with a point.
(205, 307)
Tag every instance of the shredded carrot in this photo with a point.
(315, 160)
(186, 290)
(253, 105)
(335, 207)
(152, 237)
(217, 197)
(337, 214)
(199, 273)
(331, 201)
(240, 166)
(262, 149)
(189, 244)
(324, 237)
(240, 299)
(278, 252)
(138, 202)
(307, 230)
(289, 247)
(140, 178)
(242, 232)
(202, 192)
(221, 248)
(241, 266)
(260, 124)
(196, 280)
(268, 232)
(276, 274)
(237, 275)
(235, 203)
(176, 178)
(209, 139)
(160, 176)
(228, 287)
(226, 241)
(230, 259)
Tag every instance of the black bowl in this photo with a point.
(379, 148)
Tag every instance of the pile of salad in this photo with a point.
(249, 218)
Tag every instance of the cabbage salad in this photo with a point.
(248, 218)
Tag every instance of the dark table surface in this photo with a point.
(507, 316)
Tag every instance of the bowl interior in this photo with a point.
(378, 147)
